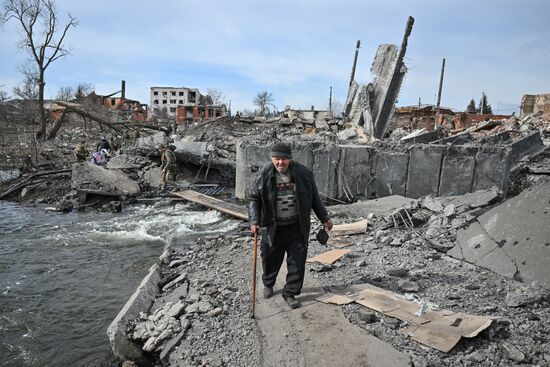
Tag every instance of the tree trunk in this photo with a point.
(42, 132)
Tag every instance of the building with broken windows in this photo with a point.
(183, 104)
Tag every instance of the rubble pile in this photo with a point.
(203, 314)
(205, 297)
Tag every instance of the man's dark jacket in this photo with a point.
(263, 195)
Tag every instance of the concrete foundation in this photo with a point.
(492, 168)
(424, 170)
(457, 171)
(348, 172)
(391, 173)
(355, 161)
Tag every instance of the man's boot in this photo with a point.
(291, 302)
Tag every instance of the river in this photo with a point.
(64, 277)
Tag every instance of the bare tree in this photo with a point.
(264, 101)
(65, 94)
(27, 91)
(42, 38)
(83, 90)
(217, 95)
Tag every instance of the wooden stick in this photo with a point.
(254, 271)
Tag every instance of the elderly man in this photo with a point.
(281, 204)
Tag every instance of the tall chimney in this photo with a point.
(123, 89)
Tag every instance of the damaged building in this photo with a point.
(535, 103)
(183, 104)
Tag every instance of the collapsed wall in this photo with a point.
(345, 172)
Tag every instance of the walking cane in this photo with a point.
(254, 272)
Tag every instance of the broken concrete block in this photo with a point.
(353, 172)
(421, 136)
(325, 169)
(523, 297)
(424, 170)
(123, 161)
(511, 239)
(529, 144)
(511, 352)
(457, 171)
(321, 124)
(347, 134)
(391, 173)
(249, 161)
(408, 286)
(142, 299)
(88, 176)
(492, 168)
(432, 204)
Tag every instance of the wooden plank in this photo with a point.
(213, 203)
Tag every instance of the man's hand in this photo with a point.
(255, 229)
(328, 224)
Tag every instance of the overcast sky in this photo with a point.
(298, 49)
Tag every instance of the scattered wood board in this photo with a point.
(213, 203)
(349, 228)
(329, 257)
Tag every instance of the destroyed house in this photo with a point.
(310, 115)
(126, 109)
(183, 104)
(533, 103)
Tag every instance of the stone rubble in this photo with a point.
(203, 319)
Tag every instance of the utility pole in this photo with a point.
(355, 62)
(481, 103)
(330, 101)
(439, 94)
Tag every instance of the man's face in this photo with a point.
(280, 163)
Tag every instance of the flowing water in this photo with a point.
(64, 277)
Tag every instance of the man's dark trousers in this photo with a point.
(287, 239)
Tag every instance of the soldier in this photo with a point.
(80, 152)
(167, 165)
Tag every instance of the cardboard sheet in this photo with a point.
(440, 329)
(349, 228)
(329, 257)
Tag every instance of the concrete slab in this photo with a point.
(512, 239)
(88, 176)
(391, 173)
(317, 334)
(421, 136)
(249, 161)
(325, 167)
(457, 171)
(354, 170)
(458, 139)
(424, 170)
(529, 144)
(141, 300)
(123, 161)
(492, 168)
(379, 207)
(192, 147)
